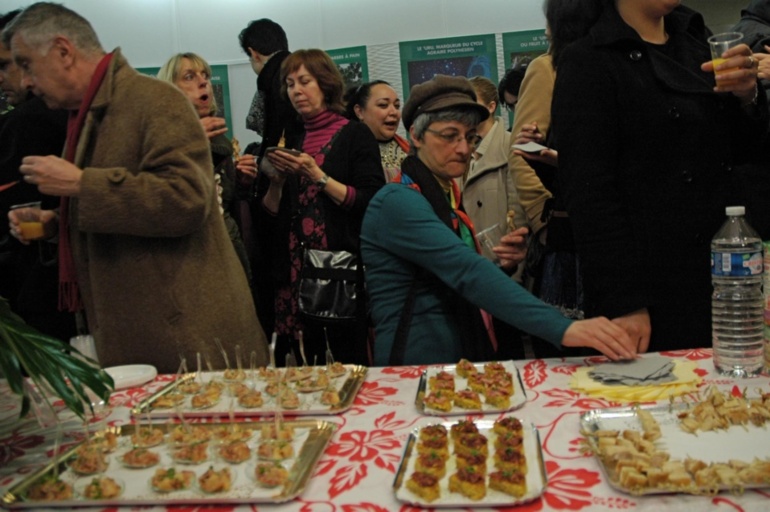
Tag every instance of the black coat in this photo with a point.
(29, 129)
(354, 159)
(755, 27)
(647, 153)
(29, 273)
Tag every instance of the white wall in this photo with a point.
(150, 31)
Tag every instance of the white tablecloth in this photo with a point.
(355, 473)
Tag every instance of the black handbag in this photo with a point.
(329, 286)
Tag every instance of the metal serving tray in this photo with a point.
(518, 399)
(738, 443)
(347, 385)
(309, 443)
(537, 478)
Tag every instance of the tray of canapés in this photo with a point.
(482, 463)
(716, 443)
(467, 387)
(302, 390)
(151, 464)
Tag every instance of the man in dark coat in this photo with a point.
(755, 27)
(29, 273)
(271, 116)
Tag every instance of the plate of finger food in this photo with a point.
(482, 463)
(466, 387)
(718, 443)
(300, 391)
(204, 463)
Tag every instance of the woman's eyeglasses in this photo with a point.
(454, 137)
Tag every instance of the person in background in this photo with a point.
(28, 273)
(755, 27)
(377, 105)
(552, 268)
(316, 200)
(647, 141)
(273, 118)
(510, 85)
(192, 75)
(489, 198)
(142, 245)
(425, 278)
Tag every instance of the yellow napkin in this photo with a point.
(687, 382)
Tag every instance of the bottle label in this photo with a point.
(736, 264)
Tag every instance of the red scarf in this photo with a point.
(69, 293)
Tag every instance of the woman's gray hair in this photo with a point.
(41, 22)
(464, 116)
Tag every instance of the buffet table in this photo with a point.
(356, 471)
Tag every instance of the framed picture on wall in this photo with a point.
(352, 63)
(466, 56)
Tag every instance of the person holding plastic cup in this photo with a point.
(648, 145)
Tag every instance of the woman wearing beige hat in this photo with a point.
(424, 275)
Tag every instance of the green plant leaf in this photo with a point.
(47, 361)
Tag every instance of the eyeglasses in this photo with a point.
(454, 137)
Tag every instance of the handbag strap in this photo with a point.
(398, 350)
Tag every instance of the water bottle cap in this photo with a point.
(734, 211)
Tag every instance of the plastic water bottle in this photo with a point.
(737, 304)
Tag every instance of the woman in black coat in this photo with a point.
(647, 146)
(316, 200)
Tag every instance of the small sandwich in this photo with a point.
(469, 483)
(467, 399)
(423, 485)
(439, 400)
(497, 398)
(467, 443)
(463, 427)
(509, 482)
(432, 462)
(438, 445)
(465, 368)
(510, 441)
(510, 459)
(508, 424)
(432, 431)
(475, 460)
(442, 381)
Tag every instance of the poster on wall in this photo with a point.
(466, 56)
(220, 84)
(352, 63)
(519, 49)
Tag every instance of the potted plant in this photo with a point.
(49, 363)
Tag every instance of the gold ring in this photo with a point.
(751, 61)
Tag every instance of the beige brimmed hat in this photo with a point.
(439, 93)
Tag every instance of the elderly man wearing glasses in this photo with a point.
(430, 288)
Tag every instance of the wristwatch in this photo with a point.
(323, 181)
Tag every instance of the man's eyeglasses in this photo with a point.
(454, 137)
